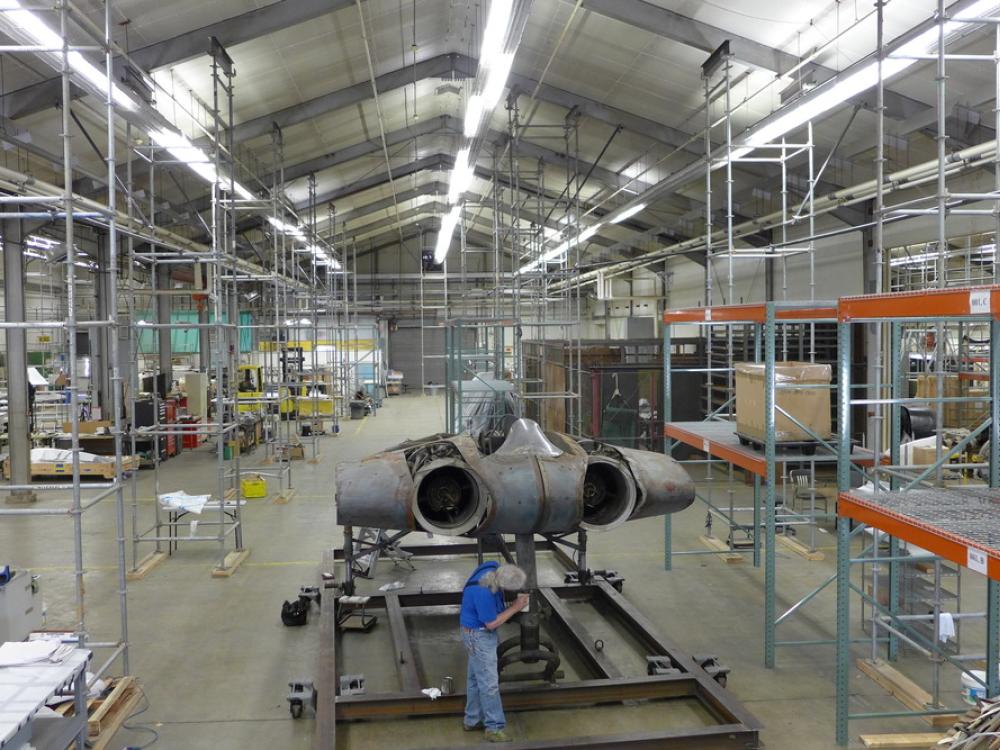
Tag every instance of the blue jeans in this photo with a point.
(482, 683)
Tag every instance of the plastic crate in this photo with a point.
(253, 486)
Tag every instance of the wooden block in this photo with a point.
(231, 563)
(116, 710)
(230, 494)
(102, 715)
(720, 546)
(285, 497)
(905, 690)
(799, 548)
(145, 566)
(922, 740)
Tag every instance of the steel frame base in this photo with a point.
(735, 727)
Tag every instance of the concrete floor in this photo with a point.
(214, 659)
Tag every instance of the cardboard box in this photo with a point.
(810, 406)
(967, 414)
(88, 428)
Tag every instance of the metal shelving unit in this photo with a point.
(911, 503)
(715, 436)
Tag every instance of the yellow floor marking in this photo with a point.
(362, 424)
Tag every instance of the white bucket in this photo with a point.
(972, 691)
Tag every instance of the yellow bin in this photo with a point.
(253, 486)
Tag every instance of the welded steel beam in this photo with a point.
(703, 36)
(253, 24)
(441, 66)
(430, 126)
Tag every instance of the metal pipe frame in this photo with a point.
(734, 727)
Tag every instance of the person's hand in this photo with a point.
(522, 601)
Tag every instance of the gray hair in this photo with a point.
(506, 577)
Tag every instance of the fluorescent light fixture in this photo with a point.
(43, 243)
(559, 251)
(809, 107)
(281, 226)
(627, 213)
(448, 224)
(495, 31)
(461, 176)
(44, 36)
(179, 147)
(473, 113)
(243, 192)
(496, 79)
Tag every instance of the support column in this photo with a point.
(18, 421)
(870, 286)
(164, 305)
(204, 340)
(524, 546)
(104, 293)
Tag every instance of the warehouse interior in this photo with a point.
(313, 307)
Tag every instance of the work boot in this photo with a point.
(498, 736)
(473, 728)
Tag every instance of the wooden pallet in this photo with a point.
(103, 470)
(106, 715)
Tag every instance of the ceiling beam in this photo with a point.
(253, 24)
(430, 126)
(440, 66)
(463, 66)
(707, 38)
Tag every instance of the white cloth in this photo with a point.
(180, 500)
(946, 627)
(432, 693)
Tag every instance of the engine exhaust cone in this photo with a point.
(608, 494)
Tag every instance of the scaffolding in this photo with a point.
(529, 216)
(218, 270)
(26, 198)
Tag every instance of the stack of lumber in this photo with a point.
(978, 729)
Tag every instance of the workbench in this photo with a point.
(23, 693)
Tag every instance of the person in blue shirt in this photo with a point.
(483, 611)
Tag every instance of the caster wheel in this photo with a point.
(296, 709)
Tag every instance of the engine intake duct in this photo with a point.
(449, 498)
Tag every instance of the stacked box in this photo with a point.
(810, 406)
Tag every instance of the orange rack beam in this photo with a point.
(719, 439)
(927, 303)
(961, 525)
(755, 313)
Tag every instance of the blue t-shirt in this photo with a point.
(479, 604)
